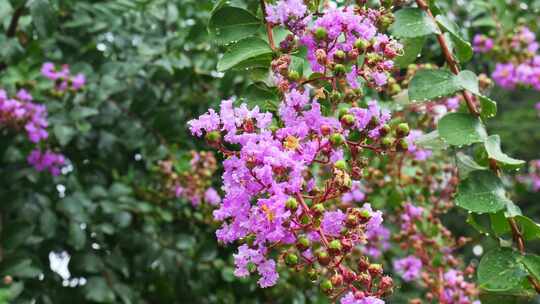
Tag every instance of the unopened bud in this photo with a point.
(402, 130)
(402, 145)
(375, 270)
(291, 259)
(302, 243)
(339, 69)
(294, 75)
(326, 286)
(347, 120)
(334, 247)
(320, 33)
(337, 140)
(361, 44)
(323, 257)
(337, 280)
(341, 165)
(291, 204)
(213, 137)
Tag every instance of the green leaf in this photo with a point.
(488, 107)
(466, 165)
(43, 17)
(412, 47)
(266, 98)
(249, 52)
(493, 149)
(500, 270)
(481, 192)
(463, 48)
(97, 290)
(469, 81)
(229, 24)
(529, 229)
(64, 134)
(532, 264)
(413, 22)
(432, 84)
(499, 223)
(77, 236)
(431, 141)
(460, 129)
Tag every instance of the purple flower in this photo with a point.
(409, 268)
(46, 161)
(291, 13)
(349, 298)
(356, 194)
(332, 222)
(482, 44)
(211, 196)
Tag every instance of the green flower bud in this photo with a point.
(402, 130)
(341, 165)
(348, 120)
(337, 139)
(305, 219)
(318, 209)
(334, 247)
(294, 75)
(302, 243)
(213, 137)
(320, 33)
(339, 55)
(402, 145)
(340, 69)
(387, 142)
(291, 259)
(326, 286)
(323, 258)
(291, 204)
(361, 44)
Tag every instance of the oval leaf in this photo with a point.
(493, 149)
(413, 22)
(460, 129)
(229, 24)
(249, 52)
(500, 270)
(481, 192)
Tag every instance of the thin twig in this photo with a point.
(268, 27)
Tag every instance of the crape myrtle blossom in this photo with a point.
(482, 43)
(291, 180)
(47, 160)
(62, 77)
(409, 268)
(521, 66)
(21, 113)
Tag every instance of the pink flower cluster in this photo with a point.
(482, 43)
(418, 153)
(47, 160)
(341, 35)
(523, 68)
(409, 268)
(20, 112)
(292, 177)
(63, 78)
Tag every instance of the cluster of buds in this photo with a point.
(193, 184)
